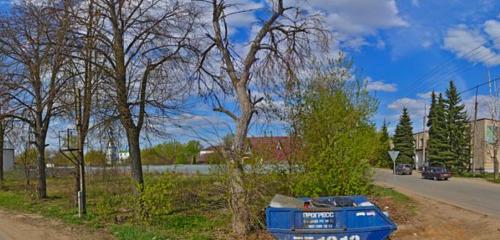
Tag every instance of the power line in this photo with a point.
(435, 71)
(480, 85)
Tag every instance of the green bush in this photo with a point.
(339, 143)
(156, 200)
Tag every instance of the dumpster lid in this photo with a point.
(282, 201)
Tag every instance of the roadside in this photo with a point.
(473, 194)
(440, 221)
(21, 226)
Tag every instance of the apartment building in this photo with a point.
(482, 145)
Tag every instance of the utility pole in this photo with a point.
(472, 152)
(82, 206)
(424, 142)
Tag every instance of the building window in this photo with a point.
(490, 134)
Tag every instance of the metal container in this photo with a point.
(327, 218)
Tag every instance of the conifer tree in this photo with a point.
(403, 139)
(430, 117)
(457, 130)
(438, 147)
(384, 160)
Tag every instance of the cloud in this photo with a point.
(353, 20)
(379, 86)
(418, 107)
(492, 28)
(472, 44)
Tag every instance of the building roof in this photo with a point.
(273, 148)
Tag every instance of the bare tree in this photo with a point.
(81, 90)
(494, 110)
(32, 41)
(145, 45)
(271, 60)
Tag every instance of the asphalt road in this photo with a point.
(472, 194)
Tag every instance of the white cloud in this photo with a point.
(418, 107)
(415, 3)
(353, 20)
(379, 86)
(473, 44)
(492, 28)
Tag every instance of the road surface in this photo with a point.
(472, 194)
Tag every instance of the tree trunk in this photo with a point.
(239, 198)
(135, 157)
(495, 163)
(42, 182)
(76, 187)
(81, 175)
(2, 135)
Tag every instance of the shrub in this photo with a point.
(338, 142)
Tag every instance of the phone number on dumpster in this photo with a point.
(351, 237)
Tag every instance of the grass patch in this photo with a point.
(179, 206)
(197, 208)
(487, 176)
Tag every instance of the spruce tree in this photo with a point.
(403, 139)
(430, 117)
(457, 129)
(383, 159)
(438, 147)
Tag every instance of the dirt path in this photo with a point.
(439, 221)
(15, 226)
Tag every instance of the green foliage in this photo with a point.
(458, 130)
(403, 139)
(156, 200)
(383, 158)
(27, 157)
(338, 142)
(439, 149)
(171, 153)
(95, 158)
(449, 133)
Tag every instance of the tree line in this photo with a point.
(449, 134)
(103, 65)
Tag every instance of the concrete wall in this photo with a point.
(8, 159)
(483, 151)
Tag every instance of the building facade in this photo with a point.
(484, 133)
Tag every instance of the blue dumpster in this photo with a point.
(327, 218)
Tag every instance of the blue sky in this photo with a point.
(430, 49)
(404, 49)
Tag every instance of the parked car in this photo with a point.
(404, 169)
(436, 173)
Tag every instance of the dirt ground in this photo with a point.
(439, 221)
(14, 226)
(432, 220)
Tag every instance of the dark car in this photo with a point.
(404, 169)
(436, 173)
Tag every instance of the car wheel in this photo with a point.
(446, 179)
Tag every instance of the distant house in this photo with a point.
(212, 154)
(123, 155)
(268, 149)
(279, 148)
